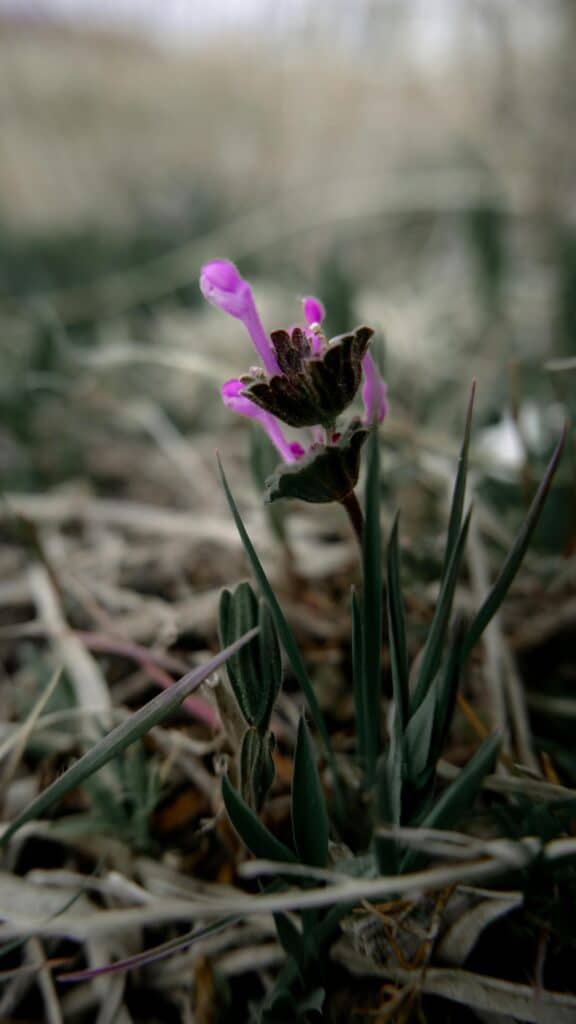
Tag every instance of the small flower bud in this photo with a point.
(314, 311)
(222, 285)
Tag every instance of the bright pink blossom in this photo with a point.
(222, 285)
(314, 311)
(374, 391)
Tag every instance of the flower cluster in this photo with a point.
(304, 379)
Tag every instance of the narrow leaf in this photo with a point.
(458, 494)
(256, 767)
(358, 682)
(418, 737)
(238, 614)
(141, 722)
(517, 552)
(291, 939)
(309, 816)
(372, 609)
(255, 673)
(397, 631)
(270, 661)
(447, 687)
(284, 631)
(259, 840)
(460, 794)
(435, 641)
(459, 797)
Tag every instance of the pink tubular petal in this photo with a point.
(235, 400)
(374, 391)
(314, 311)
(222, 285)
(253, 325)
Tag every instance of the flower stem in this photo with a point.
(352, 506)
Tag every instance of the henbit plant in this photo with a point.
(399, 779)
(309, 385)
(306, 381)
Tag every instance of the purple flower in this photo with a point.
(306, 380)
(374, 391)
(223, 286)
(314, 311)
(235, 400)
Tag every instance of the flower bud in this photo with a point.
(223, 286)
(314, 311)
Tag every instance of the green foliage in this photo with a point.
(121, 737)
(255, 672)
(367, 622)
(406, 790)
(259, 840)
(403, 779)
(284, 631)
(123, 810)
(460, 795)
(309, 815)
(256, 766)
(455, 542)
(514, 559)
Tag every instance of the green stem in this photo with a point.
(355, 515)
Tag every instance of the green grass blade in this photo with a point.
(397, 631)
(291, 940)
(309, 816)
(358, 682)
(372, 609)
(284, 631)
(419, 736)
(153, 713)
(447, 687)
(515, 556)
(432, 655)
(259, 840)
(458, 495)
(460, 794)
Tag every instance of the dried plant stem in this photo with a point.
(355, 515)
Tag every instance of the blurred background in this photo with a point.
(410, 161)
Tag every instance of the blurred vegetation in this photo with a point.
(431, 195)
